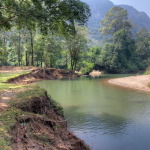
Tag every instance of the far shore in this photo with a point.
(139, 82)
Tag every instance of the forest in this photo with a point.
(55, 34)
(74, 75)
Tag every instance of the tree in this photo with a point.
(76, 44)
(55, 16)
(115, 20)
(119, 54)
(143, 47)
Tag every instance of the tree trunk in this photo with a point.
(32, 49)
(66, 61)
(19, 51)
(27, 62)
(41, 58)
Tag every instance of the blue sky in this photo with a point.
(141, 5)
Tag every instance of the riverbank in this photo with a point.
(31, 120)
(34, 74)
(139, 82)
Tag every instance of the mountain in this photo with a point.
(99, 8)
(138, 19)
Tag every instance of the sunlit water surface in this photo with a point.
(106, 117)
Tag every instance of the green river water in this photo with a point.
(106, 117)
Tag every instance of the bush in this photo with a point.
(87, 67)
(131, 67)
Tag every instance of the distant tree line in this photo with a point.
(123, 51)
(41, 32)
(49, 33)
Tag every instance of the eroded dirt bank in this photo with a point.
(41, 74)
(35, 122)
(139, 82)
(31, 120)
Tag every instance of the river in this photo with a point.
(106, 117)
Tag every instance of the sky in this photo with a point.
(141, 5)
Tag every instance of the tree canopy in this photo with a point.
(51, 33)
(47, 14)
(118, 55)
(115, 19)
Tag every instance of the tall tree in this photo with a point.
(115, 19)
(119, 54)
(76, 44)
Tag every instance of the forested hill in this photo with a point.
(139, 19)
(99, 9)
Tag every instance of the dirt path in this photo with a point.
(139, 82)
(6, 97)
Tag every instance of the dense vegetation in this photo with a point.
(38, 33)
(52, 34)
(123, 52)
(99, 8)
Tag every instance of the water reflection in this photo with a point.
(106, 117)
(107, 123)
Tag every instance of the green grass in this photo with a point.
(147, 72)
(8, 117)
(7, 120)
(4, 77)
(33, 91)
(5, 86)
(23, 98)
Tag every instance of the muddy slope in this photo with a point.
(41, 126)
(40, 74)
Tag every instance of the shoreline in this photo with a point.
(31, 109)
(139, 82)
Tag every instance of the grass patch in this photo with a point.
(34, 91)
(5, 86)
(7, 120)
(5, 144)
(4, 77)
(25, 96)
(30, 99)
(147, 72)
(28, 96)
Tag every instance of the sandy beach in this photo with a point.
(139, 82)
